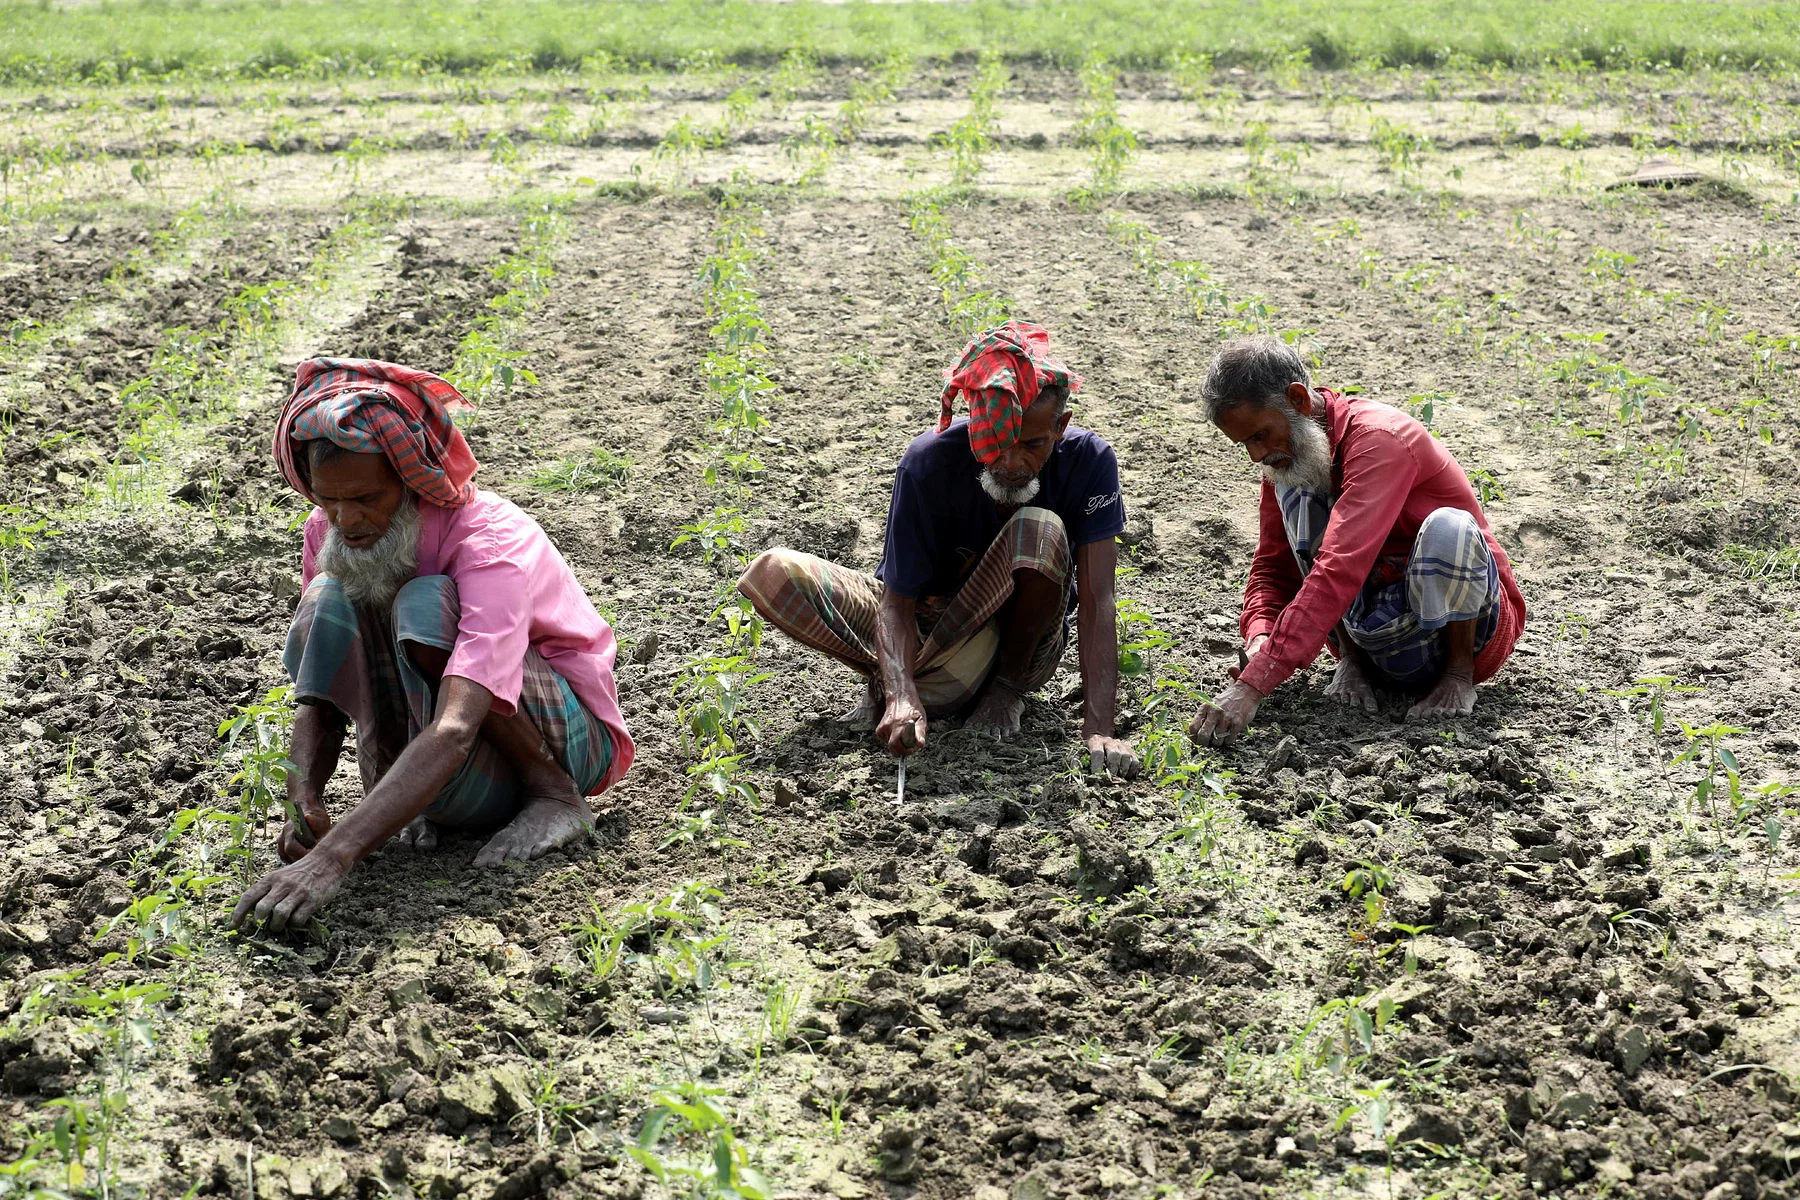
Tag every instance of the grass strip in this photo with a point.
(339, 38)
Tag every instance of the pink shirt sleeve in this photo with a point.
(495, 630)
(312, 536)
(1379, 473)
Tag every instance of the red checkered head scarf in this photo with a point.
(1001, 372)
(372, 407)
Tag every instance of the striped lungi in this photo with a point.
(350, 656)
(1451, 576)
(833, 609)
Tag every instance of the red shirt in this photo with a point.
(1388, 474)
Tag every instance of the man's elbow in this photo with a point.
(456, 734)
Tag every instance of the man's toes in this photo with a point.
(496, 850)
(426, 836)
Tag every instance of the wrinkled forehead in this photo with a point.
(341, 471)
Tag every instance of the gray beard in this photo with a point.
(375, 574)
(1010, 497)
(1311, 469)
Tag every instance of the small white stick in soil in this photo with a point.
(900, 787)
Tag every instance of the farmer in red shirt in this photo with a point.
(1372, 542)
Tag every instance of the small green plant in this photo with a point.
(1398, 150)
(1719, 772)
(700, 829)
(1110, 143)
(600, 471)
(1368, 882)
(1423, 406)
(603, 941)
(257, 736)
(1487, 485)
(1138, 638)
(713, 1162)
(735, 366)
(973, 135)
(712, 534)
(968, 305)
(18, 532)
(487, 356)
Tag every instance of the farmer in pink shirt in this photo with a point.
(1372, 543)
(439, 621)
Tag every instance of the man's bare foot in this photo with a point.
(999, 712)
(869, 709)
(1350, 687)
(1454, 696)
(419, 834)
(544, 824)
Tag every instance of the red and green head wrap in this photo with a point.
(1001, 372)
(372, 407)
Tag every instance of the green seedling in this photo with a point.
(18, 532)
(601, 471)
(1487, 486)
(603, 942)
(1423, 406)
(968, 305)
(1110, 144)
(700, 829)
(714, 1162)
(973, 135)
(257, 736)
(1367, 881)
(712, 534)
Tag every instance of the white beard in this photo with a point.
(375, 574)
(1310, 470)
(1010, 497)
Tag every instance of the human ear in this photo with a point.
(1300, 396)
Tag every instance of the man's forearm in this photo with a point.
(317, 739)
(429, 762)
(897, 644)
(1097, 646)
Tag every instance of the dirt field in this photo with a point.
(1546, 950)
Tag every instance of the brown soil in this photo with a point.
(1024, 982)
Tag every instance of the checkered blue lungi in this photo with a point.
(350, 656)
(1396, 617)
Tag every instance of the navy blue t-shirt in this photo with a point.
(940, 522)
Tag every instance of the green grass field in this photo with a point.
(313, 38)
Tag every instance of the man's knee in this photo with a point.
(1051, 526)
(425, 587)
(1443, 526)
(1040, 543)
(430, 660)
(765, 573)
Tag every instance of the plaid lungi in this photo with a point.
(1403, 607)
(350, 656)
(1397, 617)
(833, 608)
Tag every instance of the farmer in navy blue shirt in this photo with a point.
(1001, 527)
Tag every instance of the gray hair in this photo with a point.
(1252, 370)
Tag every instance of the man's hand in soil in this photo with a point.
(290, 895)
(297, 839)
(1227, 716)
(1114, 755)
(902, 726)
